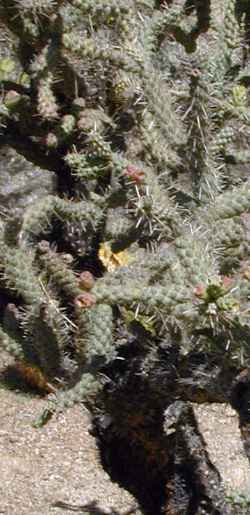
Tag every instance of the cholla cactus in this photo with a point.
(141, 108)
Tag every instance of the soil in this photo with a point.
(56, 469)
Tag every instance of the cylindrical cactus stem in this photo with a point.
(231, 203)
(19, 275)
(95, 338)
(37, 219)
(11, 345)
(56, 266)
(46, 101)
(150, 297)
(83, 391)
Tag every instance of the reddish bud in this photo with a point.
(50, 140)
(86, 280)
(83, 124)
(84, 300)
(245, 218)
(11, 98)
(134, 174)
(43, 246)
(227, 282)
(199, 290)
(11, 309)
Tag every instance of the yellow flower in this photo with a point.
(112, 260)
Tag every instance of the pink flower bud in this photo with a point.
(84, 300)
(134, 174)
(86, 280)
(199, 290)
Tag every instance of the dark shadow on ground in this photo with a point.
(91, 509)
(127, 465)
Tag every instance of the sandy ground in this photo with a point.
(220, 428)
(55, 470)
(44, 470)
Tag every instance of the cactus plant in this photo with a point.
(142, 112)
